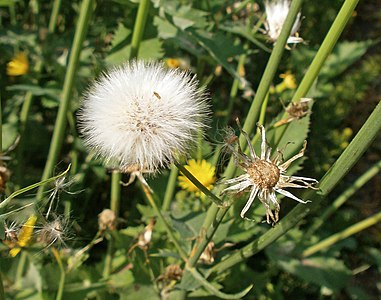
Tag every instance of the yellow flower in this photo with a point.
(289, 80)
(19, 65)
(173, 63)
(25, 235)
(203, 171)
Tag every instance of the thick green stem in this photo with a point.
(325, 49)
(170, 190)
(60, 125)
(346, 161)
(116, 177)
(215, 215)
(140, 24)
(364, 178)
(267, 78)
(326, 243)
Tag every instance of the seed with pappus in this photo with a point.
(142, 116)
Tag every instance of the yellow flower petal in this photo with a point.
(203, 171)
(26, 231)
(19, 65)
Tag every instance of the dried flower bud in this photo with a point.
(107, 220)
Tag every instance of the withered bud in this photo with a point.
(172, 272)
(107, 220)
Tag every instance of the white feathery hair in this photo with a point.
(276, 14)
(141, 115)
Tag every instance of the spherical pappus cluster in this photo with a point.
(141, 116)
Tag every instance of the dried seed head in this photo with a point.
(107, 220)
(207, 257)
(172, 272)
(299, 109)
(54, 232)
(264, 174)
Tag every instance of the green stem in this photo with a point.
(1, 126)
(60, 125)
(346, 161)
(170, 190)
(215, 215)
(116, 177)
(2, 294)
(54, 15)
(234, 88)
(344, 15)
(20, 270)
(168, 228)
(372, 220)
(25, 109)
(140, 23)
(61, 284)
(199, 185)
(212, 221)
(267, 78)
(232, 98)
(364, 178)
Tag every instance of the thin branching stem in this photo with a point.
(351, 230)
(363, 179)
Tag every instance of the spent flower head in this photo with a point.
(265, 176)
(142, 115)
(276, 13)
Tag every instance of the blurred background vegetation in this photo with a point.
(208, 38)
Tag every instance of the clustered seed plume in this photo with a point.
(142, 115)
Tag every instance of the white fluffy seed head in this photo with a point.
(142, 115)
(276, 13)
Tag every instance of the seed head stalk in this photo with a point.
(116, 177)
(60, 125)
(344, 15)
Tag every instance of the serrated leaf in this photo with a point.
(139, 292)
(37, 90)
(121, 279)
(221, 48)
(165, 29)
(149, 49)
